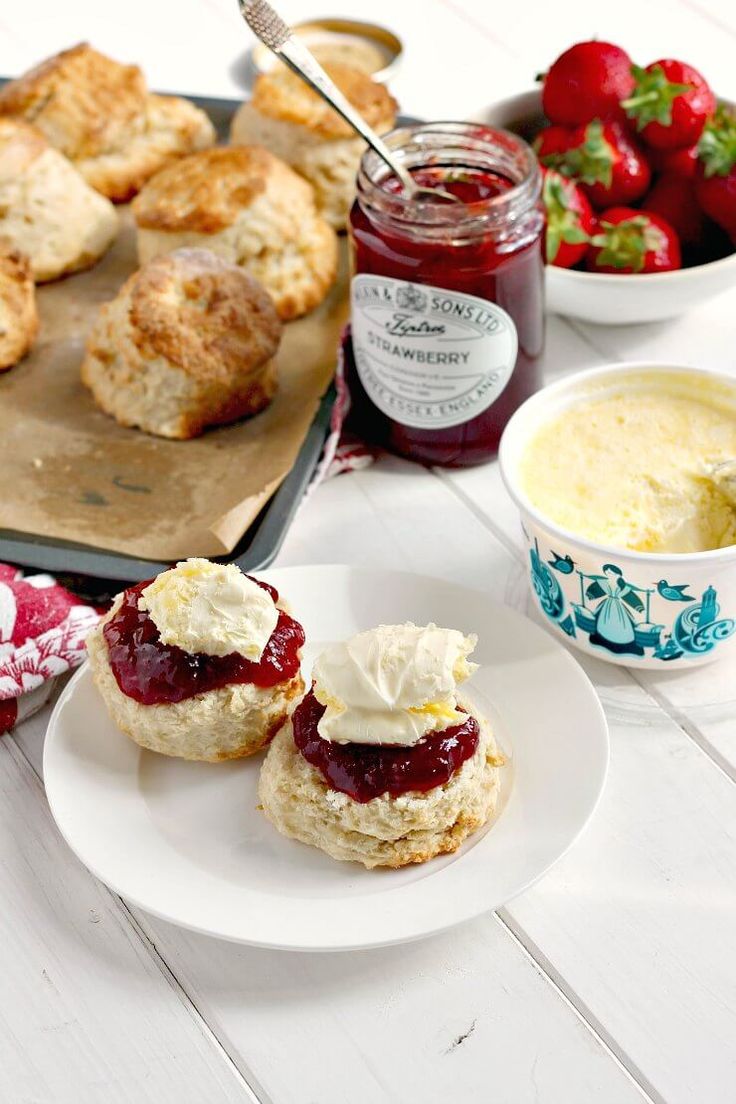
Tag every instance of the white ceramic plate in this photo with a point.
(186, 842)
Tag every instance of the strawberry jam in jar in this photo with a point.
(447, 298)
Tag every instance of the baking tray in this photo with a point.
(259, 545)
(256, 549)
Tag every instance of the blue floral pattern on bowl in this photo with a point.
(615, 614)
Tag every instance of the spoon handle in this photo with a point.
(274, 33)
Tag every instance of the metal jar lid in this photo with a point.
(366, 46)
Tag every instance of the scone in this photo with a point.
(250, 208)
(292, 121)
(381, 763)
(18, 314)
(100, 115)
(201, 663)
(47, 210)
(188, 342)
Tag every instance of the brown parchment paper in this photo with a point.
(69, 471)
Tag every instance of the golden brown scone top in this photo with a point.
(203, 315)
(207, 191)
(280, 94)
(80, 99)
(20, 145)
(15, 266)
(18, 313)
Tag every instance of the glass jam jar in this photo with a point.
(447, 319)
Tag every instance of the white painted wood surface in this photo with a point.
(89, 1011)
(612, 980)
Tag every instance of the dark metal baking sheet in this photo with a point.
(256, 549)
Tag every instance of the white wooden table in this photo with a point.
(614, 979)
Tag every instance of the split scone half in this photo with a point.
(101, 116)
(252, 210)
(296, 124)
(381, 763)
(47, 210)
(201, 663)
(18, 313)
(188, 342)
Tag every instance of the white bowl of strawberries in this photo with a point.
(639, 184)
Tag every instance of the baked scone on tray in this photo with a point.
(202, 662)
(18, 314)
(101, 116)
(47, 209)
(382, 763)
(188, 342)
(296, 124)
(252, 210)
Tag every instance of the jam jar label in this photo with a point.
(428, 357)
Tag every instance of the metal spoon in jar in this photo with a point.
(270, 28)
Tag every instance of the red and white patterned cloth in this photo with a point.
(343, 452)
(42, 632)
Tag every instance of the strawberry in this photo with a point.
(587, 82)
(670, 104)
(679, 162)
(633, 241)
(551, 140)
(600, 157)
(570, 220)
(715, 182)
(673, 197)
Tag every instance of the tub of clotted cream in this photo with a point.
(629, 523)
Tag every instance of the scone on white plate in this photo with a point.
(100, 114)
(18, 314)
(251, 209)
(188, 342)
(296, 124)
(201, 662)
(47, 210)
(381, 763)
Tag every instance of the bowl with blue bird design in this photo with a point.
(594, 463)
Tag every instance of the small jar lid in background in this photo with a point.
(365, 46)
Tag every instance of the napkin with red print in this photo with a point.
(343, 451)
(42, 633)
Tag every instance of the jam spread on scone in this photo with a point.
(381, 764)
(383, 716)
(153, 673)
(365, 771)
